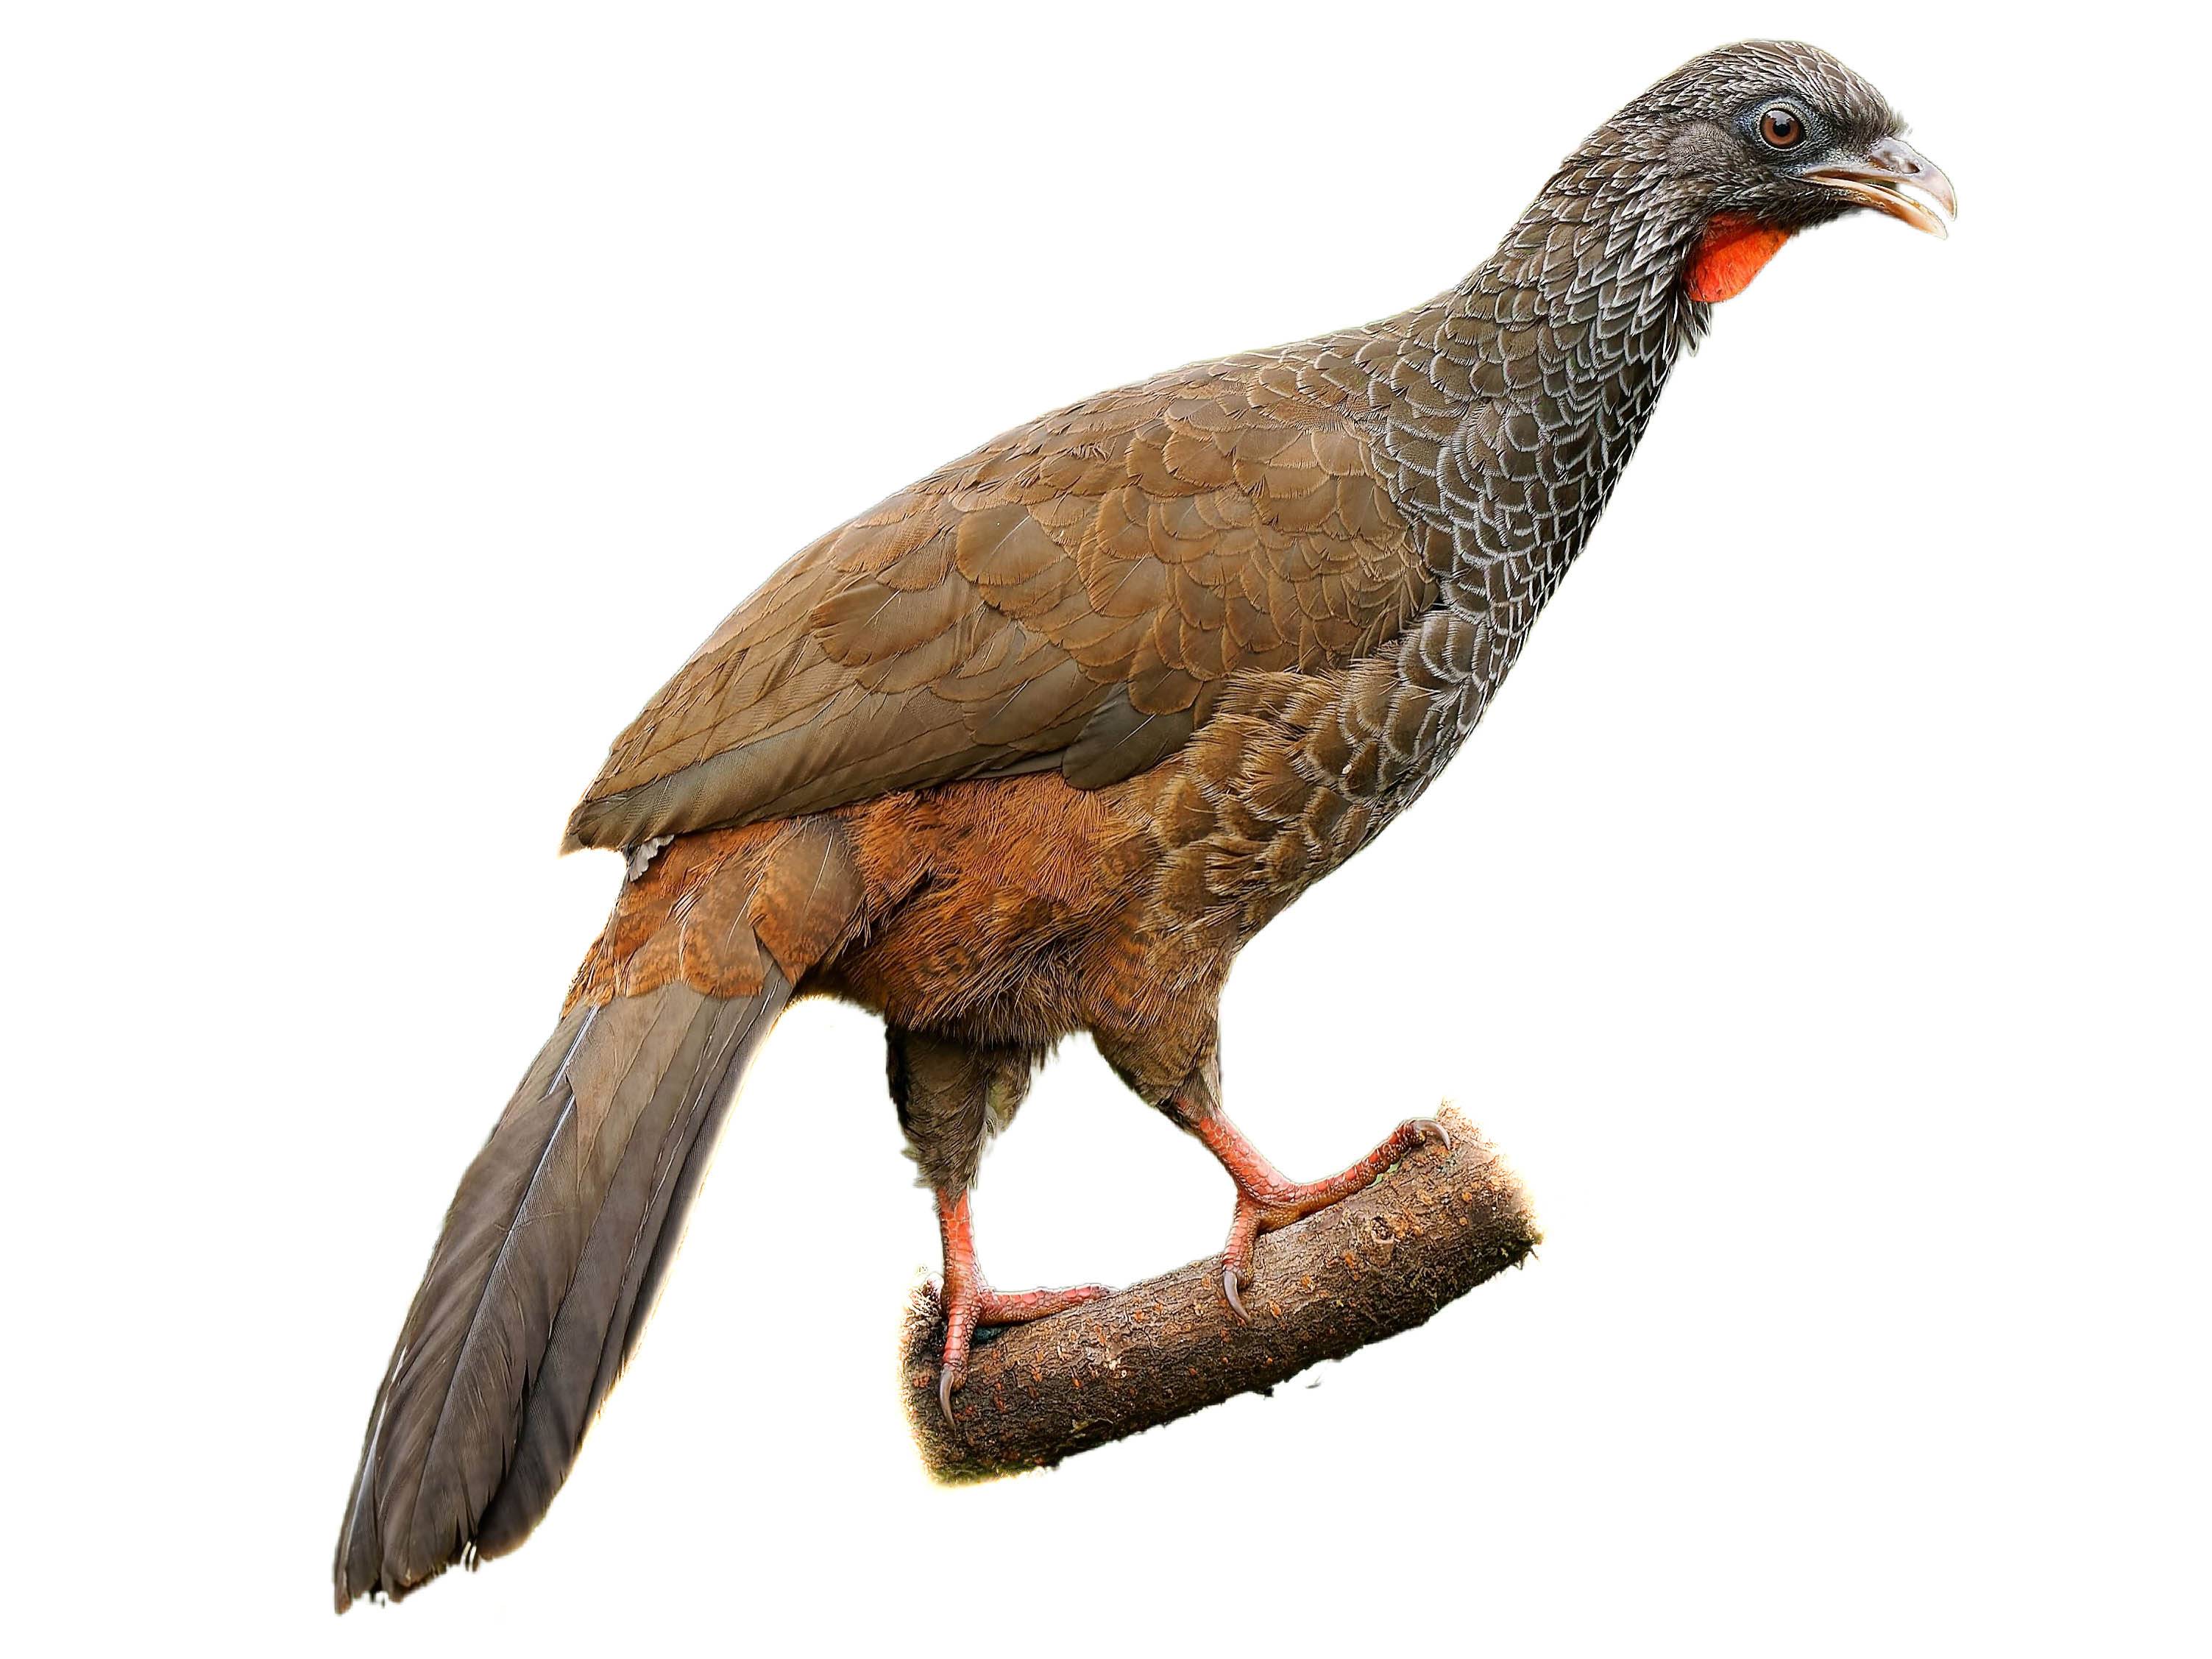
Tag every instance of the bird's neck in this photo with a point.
(1512, 404)
(1542, 370)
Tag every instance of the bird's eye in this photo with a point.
(1782, 127)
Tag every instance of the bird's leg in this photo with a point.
(952, 1096)
(970, 1302)
(1268, 1200)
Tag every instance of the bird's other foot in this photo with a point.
(970, 1302)
(1266, 1200)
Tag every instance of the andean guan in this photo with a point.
(1038, 744)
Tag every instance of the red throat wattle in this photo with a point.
(1733, 252)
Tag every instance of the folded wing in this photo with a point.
(1071, 596)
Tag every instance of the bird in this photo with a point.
(1035, 746)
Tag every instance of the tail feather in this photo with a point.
(551, 1255)
(620, 1275)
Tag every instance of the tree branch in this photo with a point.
(1430, 1230)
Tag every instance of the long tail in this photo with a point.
(556, 1243)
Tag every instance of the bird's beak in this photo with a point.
(1897, 180)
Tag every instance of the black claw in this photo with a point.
(1229, 1276)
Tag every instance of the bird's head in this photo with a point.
(1755, 142)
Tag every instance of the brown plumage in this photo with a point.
(1035, 746)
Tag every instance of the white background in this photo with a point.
(393, 395)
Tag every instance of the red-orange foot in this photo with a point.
(1266, 1200)
(970, 1302)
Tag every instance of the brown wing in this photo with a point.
(1072, 595)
